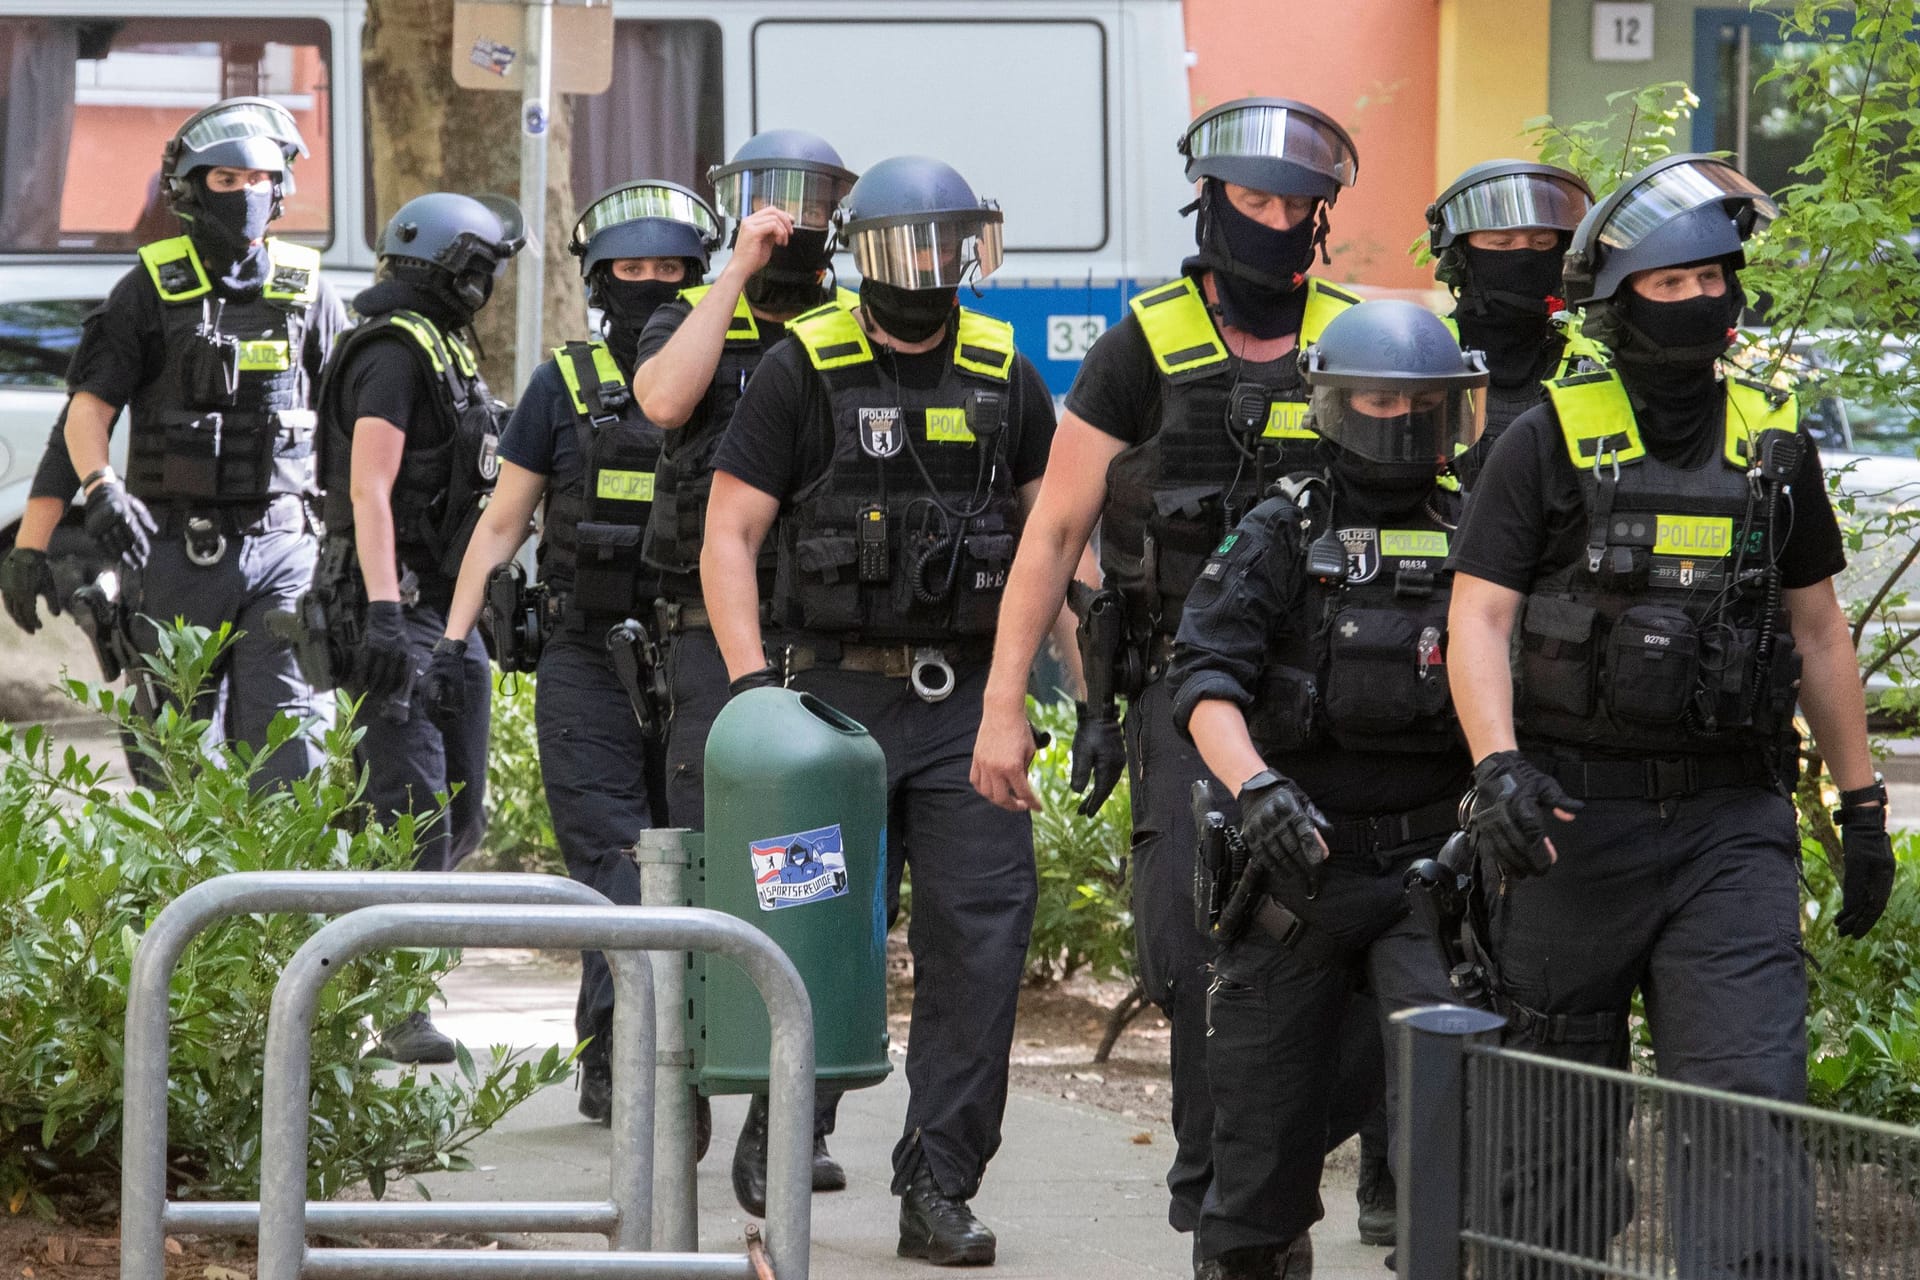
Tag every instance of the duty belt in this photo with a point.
(928, 669)
(676, 616)
(1383, 833)
(239, 519)
(1666, 779)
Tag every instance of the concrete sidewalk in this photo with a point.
(1074, 1193)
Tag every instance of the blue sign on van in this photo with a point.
(807, 866)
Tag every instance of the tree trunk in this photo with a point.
(428, 134)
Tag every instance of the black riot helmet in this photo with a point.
(1271, 144)
(235, 133)
(1390, 388)
(650, 218)
(452, 246)
(914, 223)
(1685, 208)
(1502, 195)
(790, 169)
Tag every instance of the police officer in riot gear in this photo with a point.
(214, 343)
(1309, 665)
(409, 453)
(1180, 417)
(1660, 537)
(890, 453)
(780, 190)
(578, 440)
(1497, 235)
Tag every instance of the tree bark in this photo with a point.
(428, 134)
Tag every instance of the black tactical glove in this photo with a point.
(386, 653)
(1278, 825)
(443, 686)
(767, 677)
(120, 523)
(1866, 859)
(25, 577)
(1508, 818)
(1099, 756)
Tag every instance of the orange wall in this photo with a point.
(1373, 70)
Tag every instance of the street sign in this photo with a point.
(489, 46)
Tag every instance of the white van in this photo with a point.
(1064, 111)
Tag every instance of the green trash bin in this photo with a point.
(795, 844)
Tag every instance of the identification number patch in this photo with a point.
(793, 870)
(624, 486)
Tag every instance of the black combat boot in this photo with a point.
(939, 1227)
(750, 1160)
(1261, 1262)
(1379, 1203)
(414, 1039)
(596, 1091)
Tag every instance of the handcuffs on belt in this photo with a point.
(194, 539)
(930, 676)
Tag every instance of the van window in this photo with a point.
(89, 103)
(37, 340)
(663, 115)
(1025, 122)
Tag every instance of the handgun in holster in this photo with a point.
(637, 663)
(1228, 883)
(1442, 897)
(1111, 666)
(512, 618)
(323, 627)
(102, 614)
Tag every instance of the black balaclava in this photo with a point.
(390, 294)
(1506, 308)
(1668, 359)
(627, 306)
(226, 228)
(1258, 272)
(911, 315)
(1370, 493)
(790, 282)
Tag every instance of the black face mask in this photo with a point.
(628, 304)
(1375, 490)
(1512, 285)
(1257, 271)
(1691, 334)
(911, 315)
(233, 220)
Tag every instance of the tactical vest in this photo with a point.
(1578, 354)
(230, 417)
(909, 533)
(1658, 637)
(1361, 664)
(447, 470)
(590, 544)
(1174, 495)
(684, 478)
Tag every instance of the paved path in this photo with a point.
(1072, 1194)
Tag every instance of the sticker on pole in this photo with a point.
(489, 56)
(808, 866)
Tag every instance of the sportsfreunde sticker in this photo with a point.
(808, 866)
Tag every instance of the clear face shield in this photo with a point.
(646, 200)
(1401, 422)
(1513, 201)
(1670, 193)
(807, 193)
(927, 251)
(1271, 130)
(241, 133)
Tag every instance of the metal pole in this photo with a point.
(633, 1100)
(662, 855)
(143, 1141)
(1433, 1108)
(433, 1217)
(536, 112)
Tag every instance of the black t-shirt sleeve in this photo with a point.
(1814, 550)
(1117, 389)
(544, 411)
(1035, 427)
(765, 443)
(1505, 528)
(383, 379)
(660, 327)
(120, 347)
(55, 476)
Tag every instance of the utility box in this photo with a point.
(795, 844)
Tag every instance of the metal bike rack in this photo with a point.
(146, 1215)
(625, 934)
(662, 855)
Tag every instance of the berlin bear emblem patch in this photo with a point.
(880, 435)
(807, 866)
(1363, 553)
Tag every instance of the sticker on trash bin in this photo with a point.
(808, 866)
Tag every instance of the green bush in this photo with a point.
(1083, 919)
(519, 826)
(84, 867)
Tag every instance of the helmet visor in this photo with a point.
(1395, 423)
(646, 200)
(927, 251)
(1275, 133)
(1516, 200)
(242, 118)
(1681, 189)
(809, 196)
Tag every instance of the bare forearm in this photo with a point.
(37, 523)
(671, 383)
(1219, 730)
(89, 422)
(1831, 700)
(494, 543)
(732, 592)
(1479, 625)
(373, 542)
(1034, 603)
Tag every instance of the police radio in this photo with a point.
(986, 410)
(1248, 406)
(875, 555)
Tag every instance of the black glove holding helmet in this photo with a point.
(1099, 756)
(1279, 826)
(386, 653)
(1507, 820)
(120, 523)
(443, 685)
(25, 577)
(767, 677)
(1866, 854)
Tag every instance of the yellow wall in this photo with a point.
(1493, 78)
